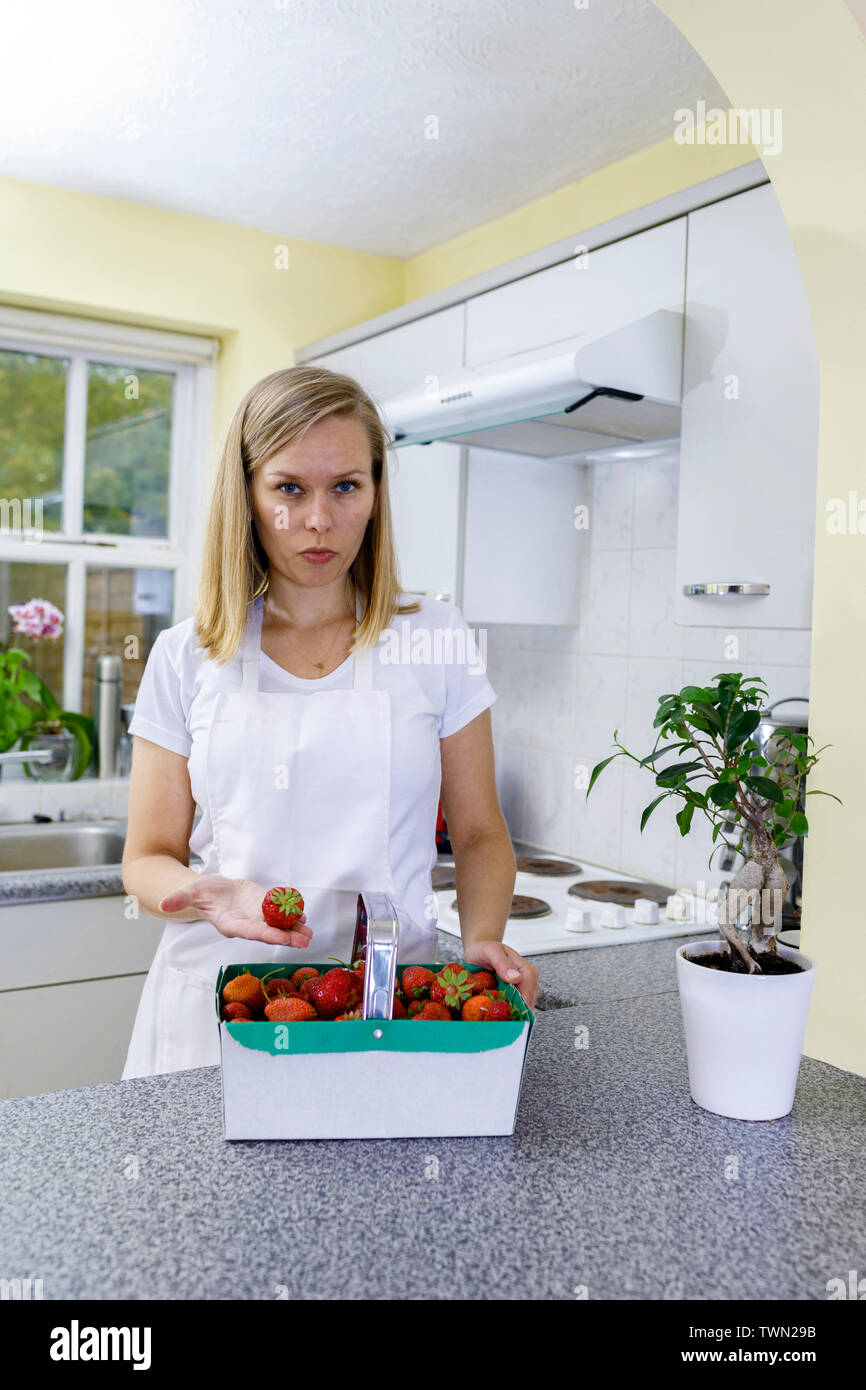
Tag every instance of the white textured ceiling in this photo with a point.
(306, 118)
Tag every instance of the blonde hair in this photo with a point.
(275, 412)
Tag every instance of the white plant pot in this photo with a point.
(744, 1033)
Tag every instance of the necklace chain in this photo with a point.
(320, 665)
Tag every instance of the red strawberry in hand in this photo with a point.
(282, 907)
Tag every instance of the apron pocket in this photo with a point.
(188, 1024)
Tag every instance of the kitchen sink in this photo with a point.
(61, 845)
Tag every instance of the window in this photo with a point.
(104, 433)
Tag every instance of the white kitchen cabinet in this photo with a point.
(522, 548)
(424, 480)
(64, 1036)
(749, 441)
(596, 293)
(425, 485)
(406, 358)
(73, 971)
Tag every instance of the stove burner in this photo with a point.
(621, 891)
(550, 868)
(443, 878)
(522, 906)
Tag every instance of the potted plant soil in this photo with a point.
(744, 997)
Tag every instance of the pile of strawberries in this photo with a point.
(452, 992)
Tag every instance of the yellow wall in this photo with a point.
(67, 252)
(811, 63)
(76, 253)
(621, 187)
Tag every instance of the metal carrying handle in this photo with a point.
(377, 937)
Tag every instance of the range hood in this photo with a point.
(609, 391)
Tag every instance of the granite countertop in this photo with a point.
(53, 885)
(614, 1180)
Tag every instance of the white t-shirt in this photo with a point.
(433, 649)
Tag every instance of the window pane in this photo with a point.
(126, 469)
(32, 414)
(126, 611)
(20, 582)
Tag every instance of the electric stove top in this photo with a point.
(553, 888)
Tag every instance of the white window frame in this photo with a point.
(192, 360)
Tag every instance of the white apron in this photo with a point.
(298, 787)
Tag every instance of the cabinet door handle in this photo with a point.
(429, 593)
(710, 590)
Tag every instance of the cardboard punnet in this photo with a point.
(370, 1078)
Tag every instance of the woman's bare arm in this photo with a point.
(156, 857)
(161, 813)
(484, 861)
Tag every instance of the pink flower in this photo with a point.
(38, 618)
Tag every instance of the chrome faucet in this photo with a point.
(38, 755)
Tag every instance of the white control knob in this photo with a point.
(646, 912)
(678, 908)
(612, 916)
(578, 919)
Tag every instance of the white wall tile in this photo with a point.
(551, 681)
(655, 503)
(610, 506)
(601, 702)
(715, 644)
(20, 801)
(646, 681)
(530, 637)
(604, 609)
(778, 646)
(652, 630)
(547, 817)
(510, 765)
(703, 672)
(596, 822)
(511, 715)
(785, 681)
(93, 798)
(651, 854)
(554, 639)
(629, 652)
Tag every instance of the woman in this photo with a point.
(315, 757)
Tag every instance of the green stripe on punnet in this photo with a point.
(356, 1035)
(398, 1035)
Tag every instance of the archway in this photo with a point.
(810, 62)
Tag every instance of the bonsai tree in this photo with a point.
(724, 775)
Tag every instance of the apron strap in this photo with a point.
(252, 646)
(363, 661)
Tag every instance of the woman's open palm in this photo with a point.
(234, 907)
